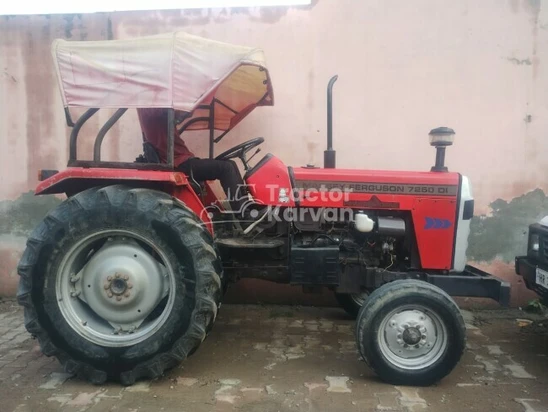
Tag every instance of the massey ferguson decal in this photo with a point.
(378, 188)
(435, 223)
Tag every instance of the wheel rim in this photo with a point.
(359, 298)
(115, 288)
(412, 337)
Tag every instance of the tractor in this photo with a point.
(124, 279)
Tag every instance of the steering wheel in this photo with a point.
(239, 151)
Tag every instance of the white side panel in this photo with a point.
(463, 228)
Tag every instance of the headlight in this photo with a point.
(534, 243)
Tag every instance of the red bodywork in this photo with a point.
(429, 197)
(266, 181)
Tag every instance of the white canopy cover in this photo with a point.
(175, 70)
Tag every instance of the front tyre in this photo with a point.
(410, 333)
(120, 283)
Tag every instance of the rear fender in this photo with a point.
(75, 179)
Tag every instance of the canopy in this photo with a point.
(175, 70)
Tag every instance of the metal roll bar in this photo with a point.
(74, 134)
(101, 135)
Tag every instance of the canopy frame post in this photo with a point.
(212, 129)
(191, 122)
(104, 130)
(73, 147)
(171, 137)
(97, 162)
(68, 117)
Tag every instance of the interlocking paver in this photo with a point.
(308, 361)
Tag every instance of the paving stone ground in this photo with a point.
(277, 358)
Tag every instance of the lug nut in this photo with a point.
(109, 278)
(126, 294)
(118, 298)
(117, 275)
(126, 277)
(110, 294)
(129, 285)
(106, 286)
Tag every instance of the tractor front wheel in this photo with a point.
(410, 333)
(120, 283)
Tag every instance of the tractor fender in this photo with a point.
(74, 180)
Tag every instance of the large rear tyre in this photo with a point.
(352, 302)
(120, 283)
(410, 333)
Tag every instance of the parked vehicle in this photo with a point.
(124, 279)
(533, 267)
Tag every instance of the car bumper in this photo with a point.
(473, 282)
(527, 269)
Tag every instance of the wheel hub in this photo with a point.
(118, 286)
(110, 288)
(411, 338)
(121, 284)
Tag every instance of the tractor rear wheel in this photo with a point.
(410, 333)
(352, 302)
(120, 283)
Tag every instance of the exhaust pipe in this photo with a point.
(329, 154)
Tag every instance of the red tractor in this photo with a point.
(124, 279)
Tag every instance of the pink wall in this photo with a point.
(404, 68)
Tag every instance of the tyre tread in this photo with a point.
(378, 299)
(173, 213)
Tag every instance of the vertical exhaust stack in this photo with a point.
(329, 154)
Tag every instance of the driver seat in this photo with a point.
(150, 155)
